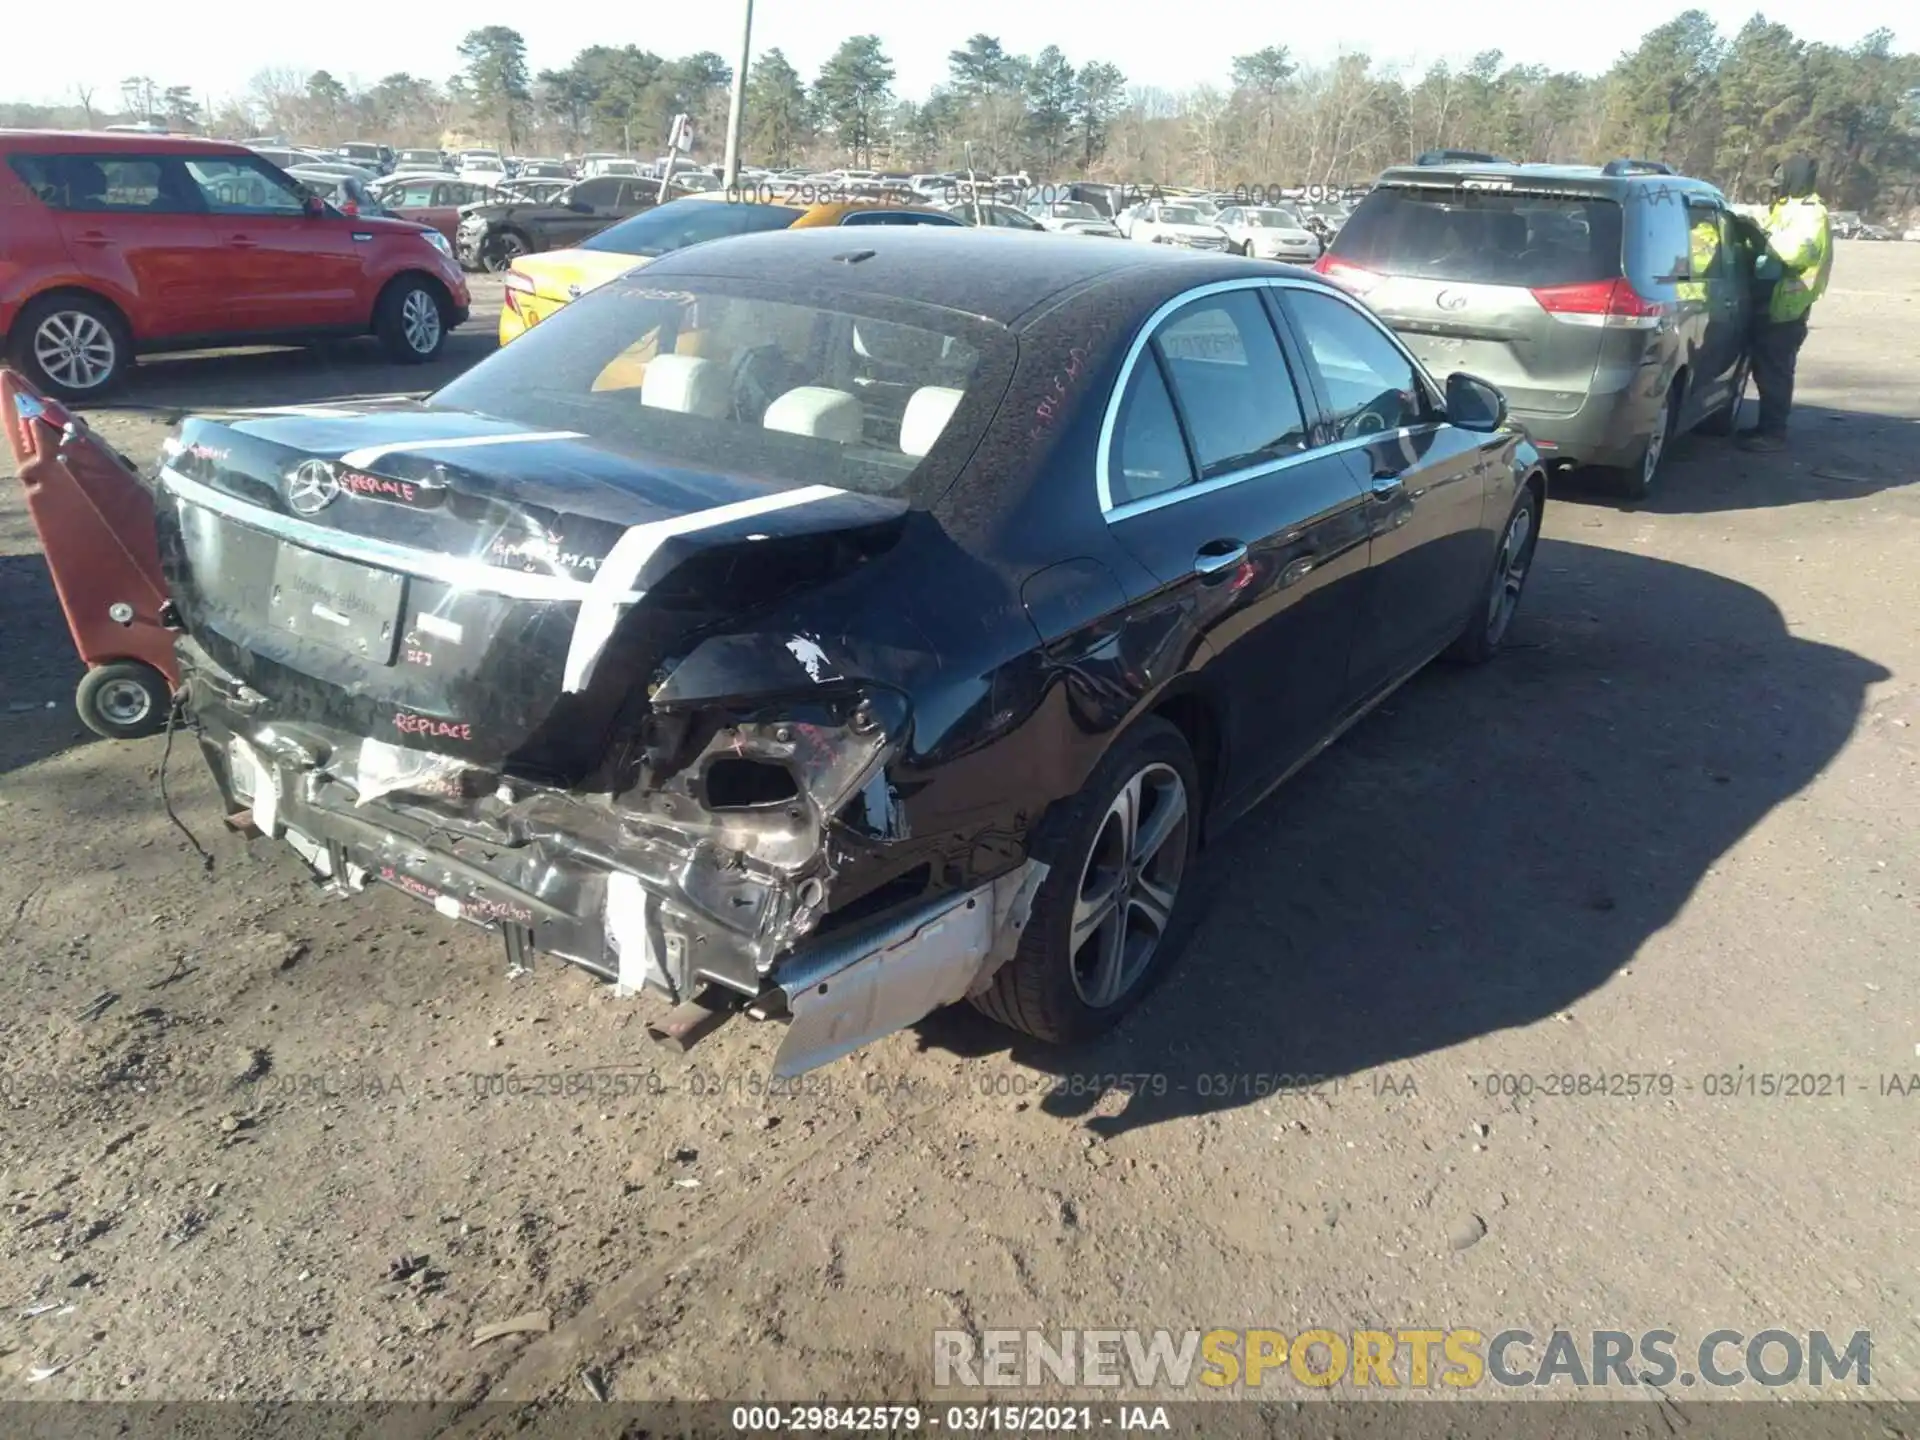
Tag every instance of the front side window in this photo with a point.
(1232, 383)
(1371, 386)
(681, 223)
(602, 190)
(240, 186)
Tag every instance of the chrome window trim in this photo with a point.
(462, 573)
(1102, 472)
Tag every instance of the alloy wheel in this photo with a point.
(75, 350)
(1656, 444)
(1128, 886)
(124, 702)
(1510, 572)
(420, 320)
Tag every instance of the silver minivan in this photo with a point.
(1610, 303)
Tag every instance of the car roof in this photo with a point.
(1586, 177)
(944, 266)
(102, 142)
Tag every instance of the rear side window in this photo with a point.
(1485, 237)
(1232, 383)
(1149, 454)
(102, 183)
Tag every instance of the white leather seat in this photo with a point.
(688, 384)
(926, 415)
(818, 411)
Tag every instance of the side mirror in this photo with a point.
(582, 206)
(314, 207)
(1473, 404)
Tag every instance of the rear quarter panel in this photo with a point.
(33, 257)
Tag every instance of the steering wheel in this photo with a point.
(756, 380)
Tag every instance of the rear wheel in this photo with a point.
(1120, 900)
(1637, 481)
(123, 700)
(409, 322)
(501, 249)
(72, 347)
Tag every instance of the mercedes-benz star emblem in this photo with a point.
(312, 487)
(573, 292)
(1451, 300)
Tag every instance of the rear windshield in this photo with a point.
(1502, 238)
(851, 390)
(680, 223)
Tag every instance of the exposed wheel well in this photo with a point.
(434, 283)
(1193, 716)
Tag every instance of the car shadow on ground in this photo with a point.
(1484, 851)
(1832, 455)
(37, 718)
(339, 370)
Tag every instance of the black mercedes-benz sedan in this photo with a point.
(835, 627)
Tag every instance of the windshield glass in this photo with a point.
(1503, 238)
(1273, 218)
(1074, 210)
(1179, 215)
(680, 223)
(849, 390)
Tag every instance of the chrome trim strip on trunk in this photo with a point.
(464, 573)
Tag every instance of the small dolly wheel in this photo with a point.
(124, 700)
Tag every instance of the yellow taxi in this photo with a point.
(538, 285)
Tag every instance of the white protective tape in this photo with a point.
(613, 584)
(627, 906)
(361, 459)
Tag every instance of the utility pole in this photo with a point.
(730, 177)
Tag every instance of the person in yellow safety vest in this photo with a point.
(1704, 248)
(1800, 252)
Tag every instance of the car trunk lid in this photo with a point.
(446, 582)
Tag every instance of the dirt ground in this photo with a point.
(258, 1143)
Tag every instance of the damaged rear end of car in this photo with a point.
(585, 649)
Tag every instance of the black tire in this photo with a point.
(96, 368)
(1726, 420)
(1040, 990)
(411, 320)
(123, 700)
(1636, 481)
(1487, 626)
(500, 249)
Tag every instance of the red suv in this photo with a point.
(114, 245)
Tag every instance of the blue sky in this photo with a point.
(1169, 43)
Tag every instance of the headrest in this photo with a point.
(926, 416)
(688, 384)
(818, 411)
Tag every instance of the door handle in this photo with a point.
(1385, 485)
(244, 242)
(93, 237)
(1217, 556)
